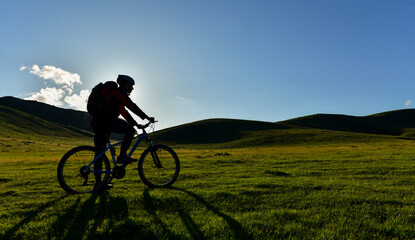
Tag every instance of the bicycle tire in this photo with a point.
(159, 176)
(70, 170)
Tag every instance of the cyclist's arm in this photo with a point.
(127, 116)
(126, 101)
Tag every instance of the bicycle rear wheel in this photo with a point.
(159, 166)
(72, 174)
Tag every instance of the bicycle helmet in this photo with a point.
(125, 79)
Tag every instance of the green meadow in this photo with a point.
(310, 184)
(300, 179)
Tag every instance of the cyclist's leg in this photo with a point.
(123, 127)
(100, 141)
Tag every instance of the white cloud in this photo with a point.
(408, 103)
(68, 89)
(78, 101)
(57, 75)
(62, 94)
(180, 98)
(48, 95)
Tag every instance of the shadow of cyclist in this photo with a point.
(30, 216)
(99, 212)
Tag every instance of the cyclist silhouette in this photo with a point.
(106, 121)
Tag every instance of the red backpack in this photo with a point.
(98, 97)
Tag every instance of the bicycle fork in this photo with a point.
(154, 154)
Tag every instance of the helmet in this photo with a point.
(125, 79)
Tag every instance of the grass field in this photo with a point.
(336, 190)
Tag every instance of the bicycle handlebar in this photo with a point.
(142, 127)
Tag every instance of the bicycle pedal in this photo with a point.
(127, 160)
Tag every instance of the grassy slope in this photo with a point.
(213, 131)
(286, 182)
(230, 132)
(21, 133)
(348, 191)
(15, 123)
(398, 123)
(226, 133)
(68, 118)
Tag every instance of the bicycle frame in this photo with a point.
(158, 165)
(140, 137)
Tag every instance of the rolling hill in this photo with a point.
(68, 118)
(20, 125)
(214, 131)
(396, 123)
(22, 118)
(309, 129)
(233, 133)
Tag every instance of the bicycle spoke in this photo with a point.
(73, 175)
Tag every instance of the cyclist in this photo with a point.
(107, 121)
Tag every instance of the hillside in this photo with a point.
(69, 118)
(213, 131)
(21, 118)
(230, 133)
(396, 123)
(19, 125)
(22, 135)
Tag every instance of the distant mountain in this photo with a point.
(397, 123)
(66, 117)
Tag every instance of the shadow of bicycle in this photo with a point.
(102, 216)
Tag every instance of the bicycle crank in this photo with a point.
(118, 172)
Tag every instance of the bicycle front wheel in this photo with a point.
(159, 166)
(73, 176)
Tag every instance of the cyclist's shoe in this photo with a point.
(125, 159)
(103, 188)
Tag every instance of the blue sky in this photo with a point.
(192, 60)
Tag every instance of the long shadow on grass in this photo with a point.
(100, 216)
(148, 205)
(29, 217)
(191, 225)
(188, 222)
(238, 231)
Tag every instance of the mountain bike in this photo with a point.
(158, 166)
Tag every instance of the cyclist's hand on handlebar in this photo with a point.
(140, 126)
(143, 126)
(151, 119)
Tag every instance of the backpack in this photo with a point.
(98, 97)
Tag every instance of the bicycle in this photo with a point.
(158, 166)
